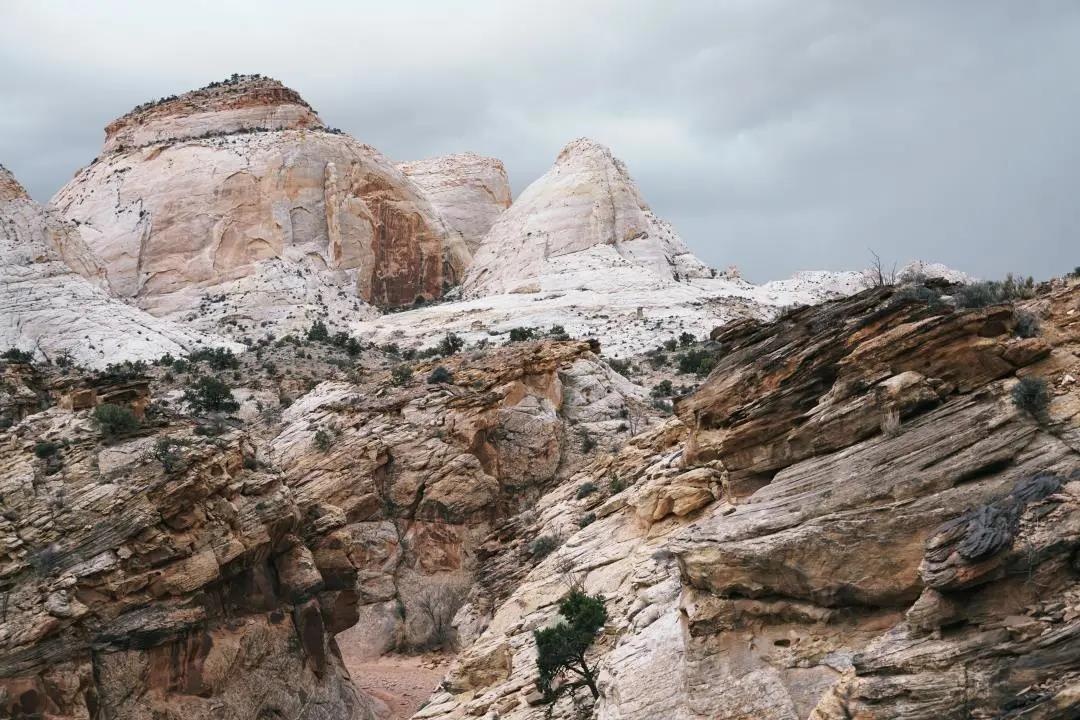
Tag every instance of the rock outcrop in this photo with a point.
(239, 196)
(469, 191)
(850, 519)
(50, 311)
(583, 224)
(165, 573)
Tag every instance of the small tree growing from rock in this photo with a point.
(438, 604)
(562, 648)
(211, 395)
(115, 420)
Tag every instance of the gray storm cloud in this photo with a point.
(775, 135)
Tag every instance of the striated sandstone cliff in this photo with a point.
(200, 196)
(849, 519)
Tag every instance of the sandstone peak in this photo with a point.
(237, 104)
(582, 224)
(468, 190)
(10, 189)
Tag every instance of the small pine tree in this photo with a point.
(115, 419)
(318, 332)
(211, 395)
(450, 344)
(562, 648)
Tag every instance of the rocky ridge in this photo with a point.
(850, 519)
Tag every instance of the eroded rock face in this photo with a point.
(416, 477)
(469, 191)
(788, 549)
(583, 224)
(50, 311)
(146, 582)
(239, 193)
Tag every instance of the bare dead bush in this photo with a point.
(437, 604)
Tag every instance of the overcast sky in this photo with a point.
(776, 135)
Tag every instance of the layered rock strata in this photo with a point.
(850, 519)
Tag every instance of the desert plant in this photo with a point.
(520, 334)
(209, 394)
(586, 519)
(890, 422)
(437, 604)
(451, 344)
(585, 489)
(17, 356)
(698, 361)
(1032, 395)
(662, 389)
(165, 452)
(617, 485)
(558, 332)
(588, 443)
(323, 440)
(440, 375)
(562, 647)
(216, 358)
(318, 332)
(400, 375)
(115, 420)
(686, 339)
(1027, 324)
(542, 546)
(46, 449)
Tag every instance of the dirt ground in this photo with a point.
(401, 682)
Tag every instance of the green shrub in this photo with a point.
(1027, 324)
(562, 648)
(993, 292)
(520, 334)
(166, 452)
(46, 448)
(918, 293)
(698, 361)
(542, 546)
(211, 395)
(585, 489)
(1032, 395)
(586, 519)
(16, 355)
(318, 332)
(440, 375)
(588, 444)
(323, 440)
(115, 420)
(450, 344)
(671, 344)
(662, 389)
(686, 339)
(617, 485)
(216, 358)
(558, 332)
(620, 366)
(400, 375)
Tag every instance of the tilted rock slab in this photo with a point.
(782, 552)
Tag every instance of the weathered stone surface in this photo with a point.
(804, 589)
(583, 223)
(256, 222)
(469, 191)
(49, 311)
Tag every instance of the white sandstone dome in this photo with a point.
(196, 198)
(583, 225)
